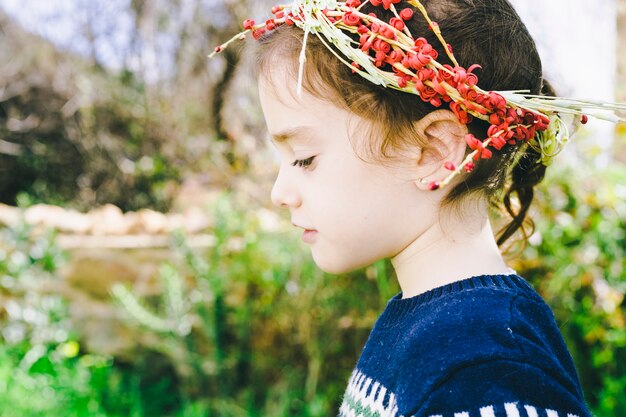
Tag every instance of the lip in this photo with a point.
(309, 235)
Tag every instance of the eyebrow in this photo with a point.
(288, 134)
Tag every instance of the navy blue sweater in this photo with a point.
(486, 346)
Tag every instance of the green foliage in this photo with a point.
(577, 262)
(248, 326)
(38, 361)
(227, 322)
(43, 369)
(255, 302)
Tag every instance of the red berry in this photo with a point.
(433, 186)
(450, 166)
(470, 167)
(351, 19)
(406, 14)
(584, 119)
(256, 34)
(397, 23)
(248, 24)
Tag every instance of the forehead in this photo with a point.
(291, 117)
(306, 119)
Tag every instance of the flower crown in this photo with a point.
(541, 122)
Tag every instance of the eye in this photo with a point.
(303, 162)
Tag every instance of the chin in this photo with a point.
(339, 266)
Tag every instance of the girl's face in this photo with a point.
(356, 212)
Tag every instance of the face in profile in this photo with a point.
(357, 212)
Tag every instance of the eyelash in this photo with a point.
(303, 162)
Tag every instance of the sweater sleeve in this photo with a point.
(502, 388)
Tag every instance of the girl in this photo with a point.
(400, 126)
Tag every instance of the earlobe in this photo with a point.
(426, 185)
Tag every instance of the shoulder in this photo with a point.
(502, 388)
(485, 319)
(469, 329)
(476, 323)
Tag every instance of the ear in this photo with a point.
(444, 138)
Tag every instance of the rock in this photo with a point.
(42, 215)
(196, 220)
(72, 221)
(152, 222)
(10, 216)
(108, 220)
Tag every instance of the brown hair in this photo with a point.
(485, 32)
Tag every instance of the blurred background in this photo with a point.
(143, 271)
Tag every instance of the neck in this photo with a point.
(438, 257)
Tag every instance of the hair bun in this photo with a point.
(547, 89)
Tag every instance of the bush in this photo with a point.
(250, 327)
(577, 262)
(43, 370)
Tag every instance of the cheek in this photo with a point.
(359, 198)
(352, 239)
(364, 214)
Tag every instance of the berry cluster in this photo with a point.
(409, 64)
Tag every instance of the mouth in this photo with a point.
(308, 235)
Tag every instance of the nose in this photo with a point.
(284, 192)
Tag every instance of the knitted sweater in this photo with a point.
(486, 346)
